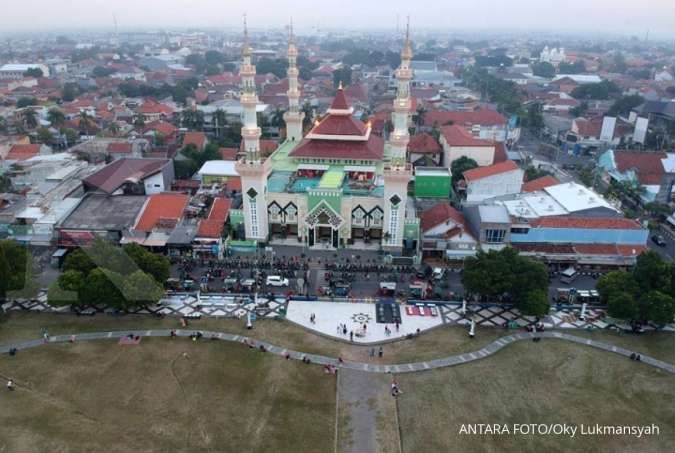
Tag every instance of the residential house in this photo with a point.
(132, 176)
(424, 150)
(445, 233)
(457, 142)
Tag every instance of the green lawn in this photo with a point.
(547, 382)
(100, 396)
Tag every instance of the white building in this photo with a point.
(14, 71)
(482, 183)
(554, 55)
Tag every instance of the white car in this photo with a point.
(276, 280)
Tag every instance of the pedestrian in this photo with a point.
(351, 335)
(173, 333)
(372, 352)
(396, 326)
(72, 339)
(365, 326)
(10, 385)
(339, 329)
(46, 336)
(344, 329)
(380, 352)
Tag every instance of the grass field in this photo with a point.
(546, 382)
(99, 396)
(434, 344)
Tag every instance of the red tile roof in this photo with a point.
(373, 149)
(589, 128)
(483, 117)
(491, 170)
(441, 213)
(162, 210)
(540, 183)
(228, 153)
(609, 249)
(233, 183)
(456, 135)
(195, 138)
(213, 225)
(339, 125)
(602, 223)
(340, 101)
(162, 127)
(22, 152)
(424, 144)
(119, 147)
(151, 107)
(267, 147)
(647, 165)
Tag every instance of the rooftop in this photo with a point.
(491, 170)
(105, 213)
(114, 175)
(162, 210)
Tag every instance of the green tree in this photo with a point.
(342, 76)
(56, 117)
(543, 69)
(45, 136)
(5, 184)
(140, 289)
(24, 102)
(70, 135)
(625, 104)
(534, 303)
(577, 67)
(33, 72)
(158, 266)
(79, 261)
(600, 91)
(114, 128)
(100, 71)
(29, 118)
(71, 281)
(139, 120)
(69, 92)
(652, 273)
(103, 287)
(623, 306)
(58, 297)
(532, 173)
(617, 282)
(579, 110)
(5, 274)
(659, 308)
(459, 166)
(534, 118)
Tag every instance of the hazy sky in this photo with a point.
(623, 16)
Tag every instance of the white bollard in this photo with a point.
(464, 306)
(583, 312)
(249, 324)
(472, 330)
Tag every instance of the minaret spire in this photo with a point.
(250, 132)
(400, 137)
(294, 115)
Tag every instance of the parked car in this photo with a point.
(658, 240)
(439, 273)
(276, 280)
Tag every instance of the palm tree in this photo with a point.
(277, 119)
(114, 128)
(139, 120)
(56, 117)
(84, 121)
(419, 116)
(219, 122)
(29, 118)
(309, 116)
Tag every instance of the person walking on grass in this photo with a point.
(10, 385)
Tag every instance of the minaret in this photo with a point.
(398, 173)
(252, 169)
(250, 132)
(294, 115)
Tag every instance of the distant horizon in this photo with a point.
(596, 17)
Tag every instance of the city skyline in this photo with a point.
(602, 16)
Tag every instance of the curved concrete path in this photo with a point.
(324, 360)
